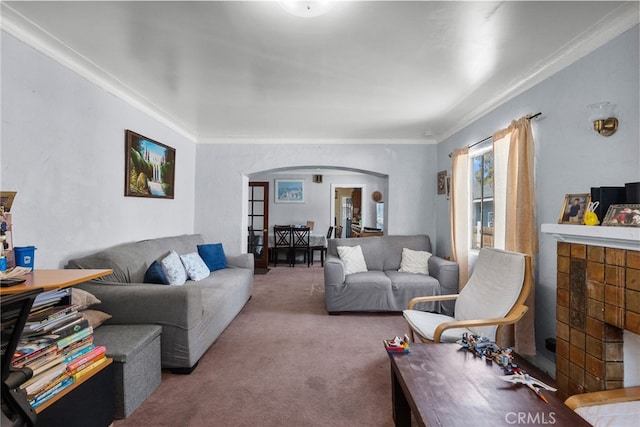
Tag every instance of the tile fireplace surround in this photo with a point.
(598, 296)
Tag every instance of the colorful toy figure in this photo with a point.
(397, 345)
(489, 351)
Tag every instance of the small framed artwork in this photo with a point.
(623, 215)
(573, 208)
(442, 182)
(150, 167)
(289, 190)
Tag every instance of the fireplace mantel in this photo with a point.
(610, 237)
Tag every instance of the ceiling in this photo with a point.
(405, 71)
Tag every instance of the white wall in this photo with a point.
(221, 171)
(570, 157)
(318, 196)
(63, 152)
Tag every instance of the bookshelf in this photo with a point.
(91, 387)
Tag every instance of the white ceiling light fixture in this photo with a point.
(306, 8)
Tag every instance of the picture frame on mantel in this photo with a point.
(150, 167)
(574, 208)
(622, 215)
(289, 191)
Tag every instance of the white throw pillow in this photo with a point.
(352, 258)
(174, 269)
(415, 261)
(195, 266)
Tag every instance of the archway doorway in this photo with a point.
(318, 204)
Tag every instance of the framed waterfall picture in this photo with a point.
(150, 167)
(289, 190)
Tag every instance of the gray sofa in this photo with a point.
(383, 287)
(192, 316)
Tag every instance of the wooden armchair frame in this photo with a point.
(517, 311)
(604, 397)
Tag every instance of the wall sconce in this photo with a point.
(602, 115)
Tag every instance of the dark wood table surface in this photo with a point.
(445, 385)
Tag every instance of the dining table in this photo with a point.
(315, 239)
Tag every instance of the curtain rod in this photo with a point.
(489, 137)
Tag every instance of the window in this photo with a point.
(482, 208)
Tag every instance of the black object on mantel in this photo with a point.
(607, 196)
(632, 192)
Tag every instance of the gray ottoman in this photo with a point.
(135, 350)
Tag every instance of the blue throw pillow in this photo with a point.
(213, 255)
(155, 274)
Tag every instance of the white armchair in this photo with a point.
(494, 296)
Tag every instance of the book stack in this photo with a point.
(57, 345)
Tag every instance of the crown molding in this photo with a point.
(310, 141)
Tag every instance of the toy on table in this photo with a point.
(397, 345)
(489, 351)
(534, 384)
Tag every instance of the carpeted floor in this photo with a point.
(284, 362)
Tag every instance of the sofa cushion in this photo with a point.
(372, 278)
(400, 279)
(352, 258)
(213, 256)
(393, 245)
(195, 266)
(155, 274)
(173, 268)
(372, 250)
(414, 261)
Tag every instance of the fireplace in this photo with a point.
(598, 297)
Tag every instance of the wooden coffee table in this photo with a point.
(445, 385)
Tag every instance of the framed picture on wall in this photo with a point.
(442, 182)
(289, 191)
(573, 208)
(150, 167)
(622, 215)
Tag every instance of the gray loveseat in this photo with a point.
(383, 287)
(192, 316)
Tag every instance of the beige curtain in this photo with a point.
(460, 212)
(516, 214)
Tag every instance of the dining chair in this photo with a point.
(338, 234)
(493, 297)
(322, 248)
(300, 244)
(282, 239)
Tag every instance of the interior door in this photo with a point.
(258, 243)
